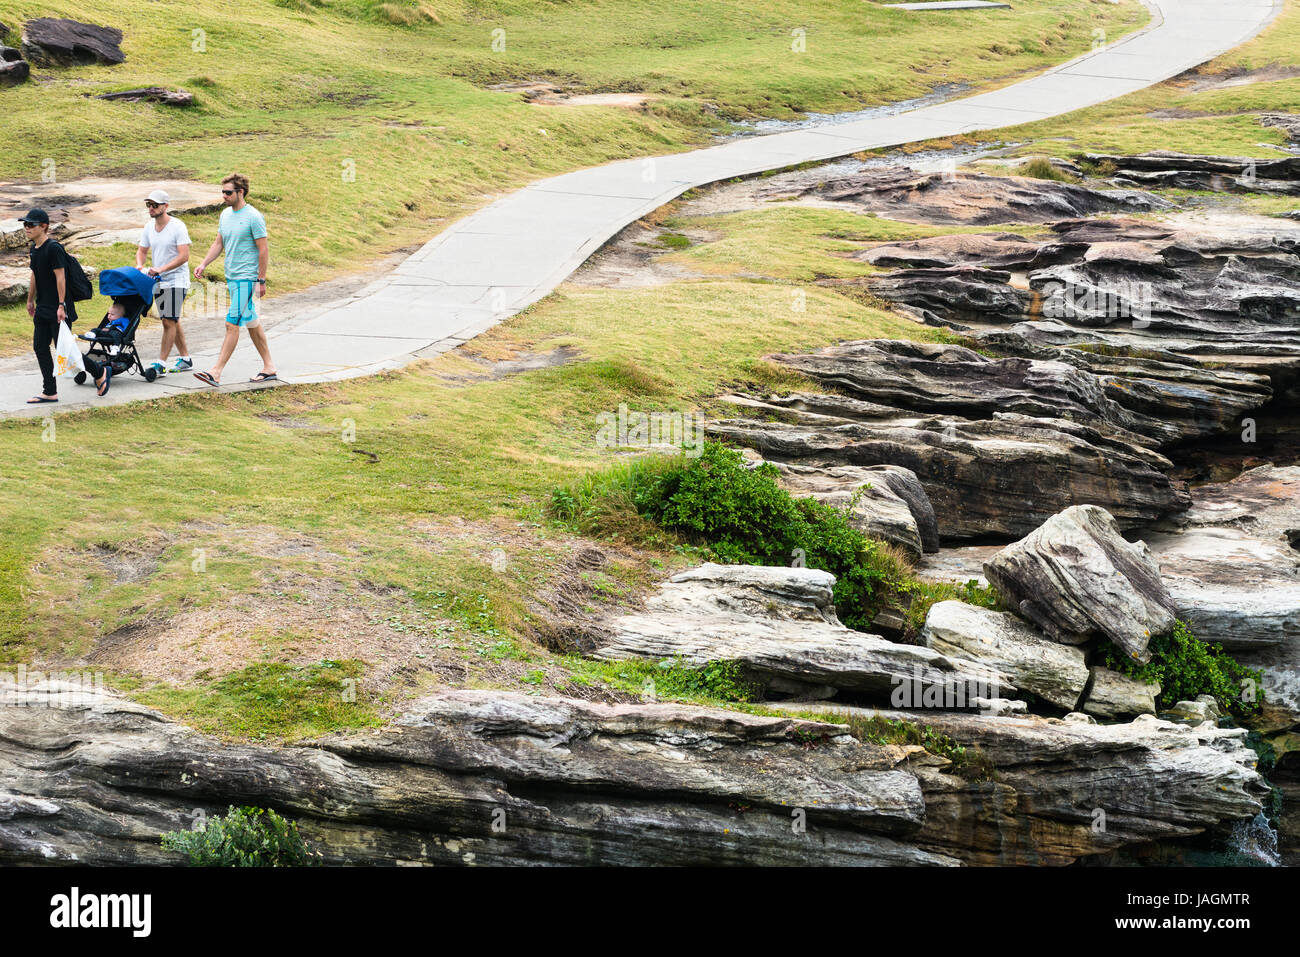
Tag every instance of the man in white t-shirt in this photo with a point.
(168, 240)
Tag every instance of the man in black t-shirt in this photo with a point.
(47, 298)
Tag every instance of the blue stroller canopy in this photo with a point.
(127, 281)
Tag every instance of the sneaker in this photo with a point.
(158, 367)
(183, 365)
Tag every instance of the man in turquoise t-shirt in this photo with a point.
(241, 232)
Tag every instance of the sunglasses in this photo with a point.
(228, 192)
(152, 205)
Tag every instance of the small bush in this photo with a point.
(243, 837)
(1186, 667)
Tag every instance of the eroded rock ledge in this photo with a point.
(574, 782)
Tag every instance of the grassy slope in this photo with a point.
(286, 92)
(466, 463)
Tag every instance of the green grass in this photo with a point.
(272, 700)
(290, 92)
(290, 520)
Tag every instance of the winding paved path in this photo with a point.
(490, 265)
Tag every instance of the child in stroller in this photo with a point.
(112, 343)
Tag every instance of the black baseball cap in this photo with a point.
(36, 216)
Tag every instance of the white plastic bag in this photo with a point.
(67, 357)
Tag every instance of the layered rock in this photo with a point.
(972, 199)
(1066, 790)
(1077, 578)
(939, 378)
(1113, 695)
(884, 502)
(1237, 174)
(466, 777)
(1004, 475)
(780, 625)
(151, 94)
(1054, 672)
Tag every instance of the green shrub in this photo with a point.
(1186, 667)
(243, 837)
(744, 517)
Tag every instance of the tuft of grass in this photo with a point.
(922, 595)
(714, 683)
(1041, 168)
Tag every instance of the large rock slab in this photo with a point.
(1001, 476)
(53, 42)
(1235, 174)
(884, 502)
(1077, 578)
(780, 624)
(1066, 790)
(1054, 672)
(466, 777)
(939, 378)
(1113, 695)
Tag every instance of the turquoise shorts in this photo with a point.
(243, 298)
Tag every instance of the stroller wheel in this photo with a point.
(79, 378)
(150, 374)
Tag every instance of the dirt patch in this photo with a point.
(1241, 77)
(522, 361)
(304, 621)
(548, 94)
(130, 561)
(104, 211)
(633, 259)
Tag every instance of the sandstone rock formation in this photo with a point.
(971, 199)
(1077, 578)
(13, 68)
(151, 94)
(1113, 695)
(1151, 780)
(1054, 672)
(1167, 170)
(1004, 475)
(571, 782)
(780, 624)
(885, 501)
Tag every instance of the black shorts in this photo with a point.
(168, 300)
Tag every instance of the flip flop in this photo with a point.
(42, 398)
(263, 377)
(108, 376)
(206, 379)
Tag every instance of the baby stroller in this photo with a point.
(109, 345)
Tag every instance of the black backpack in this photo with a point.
(78, 283)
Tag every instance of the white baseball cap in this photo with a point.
(158, 196)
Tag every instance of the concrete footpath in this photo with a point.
(490, 265)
